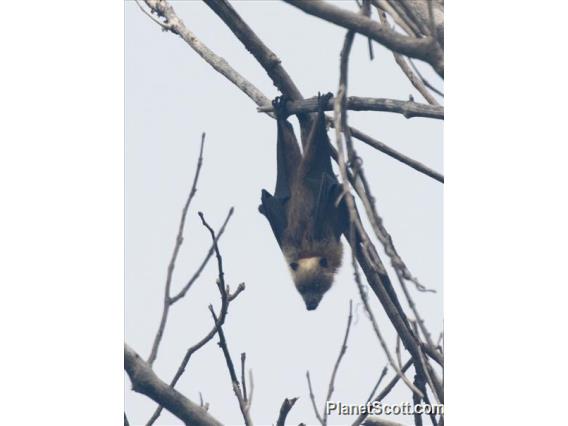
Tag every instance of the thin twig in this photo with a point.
(420, 48)
(149, 15)
(404, 16)
(340, 123)
(397, 351)
(381, 377)
(205, 261)
(313, 398)
(171, 265)
(413, 78)
(243, 381)
(385, 149)
(231, 368)
(384, 392)
(284, 410)
(226, 298)
(163, 9)
(426, 82)
(222, 340)
(251, 391)
(385, 6)
(410, 300)
(342, 351)
(399, 371)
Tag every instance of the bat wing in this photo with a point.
(288, 158)
(330, 210)
(273, 208)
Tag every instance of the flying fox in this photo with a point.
(306, 212)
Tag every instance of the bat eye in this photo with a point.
(323, 262)
(294, 266)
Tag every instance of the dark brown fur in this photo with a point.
(303, 214)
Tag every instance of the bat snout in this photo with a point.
(311, 306)
(312, 277)
(312, 302)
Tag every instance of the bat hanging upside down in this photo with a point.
(305, 213)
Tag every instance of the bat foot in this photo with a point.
(279, 105)
(323, 100)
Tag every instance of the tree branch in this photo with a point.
(284, 410)
(384, 392)
(145, 381)
(416, 165)
(162, 8)
(231, 368)
(357, 233)
(408, 109)
(172, 264)
(177, 26)
(313, 399)
(342, 351)
(425, 48)
(226, 298)
(381, 377)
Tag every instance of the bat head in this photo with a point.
(313, 274)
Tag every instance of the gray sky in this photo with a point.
(172, 96)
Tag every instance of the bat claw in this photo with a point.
(279, 105)
(323, 100)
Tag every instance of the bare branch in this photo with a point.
(413, 78)
(406, 9)
(408, 109)
(226, 298)
(384, 392)
(149, 15)
(145, 381)
(259, 98)
(266, 57)
(342, 351)
(231, 367)
(284, 410)
(340, 124)
(400, 20)
(172, 264)
(251, 392)
(410, 300)
(416, 165)
(176, 26)
(313, 399)
(426, 82)
(205, 261)
(419, 383)
(420, 48)
(379, 381)
(243, 381)
(399, 371)
(282, 80)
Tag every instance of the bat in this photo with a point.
(305, 213)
